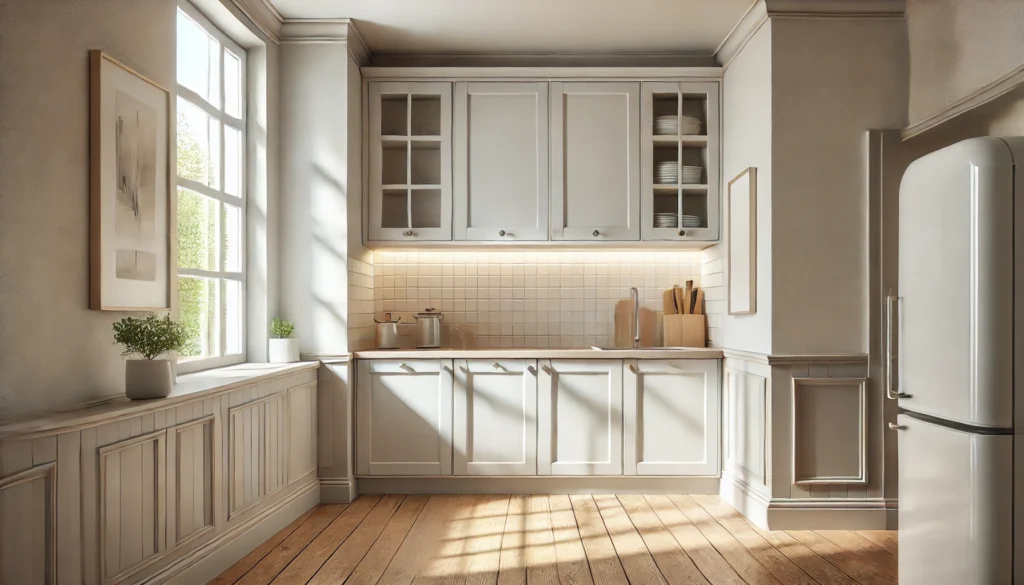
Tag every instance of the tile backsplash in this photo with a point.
(558, 299)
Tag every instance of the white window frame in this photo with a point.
(187, 365)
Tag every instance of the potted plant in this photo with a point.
(149, 338)
(284, 348)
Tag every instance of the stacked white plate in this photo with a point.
(692, 175)
(666, 220)
(667, 172)
(691, 221)
(672, 124)
(689, 125)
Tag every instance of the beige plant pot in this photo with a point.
(148, 379)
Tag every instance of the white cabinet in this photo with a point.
(579, 416)
(410, 130)
(496, 417)
(671, 417)
(501, 161)
(404, 417)
(680, 161)
(595, 161)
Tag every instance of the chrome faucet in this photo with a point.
(635, 295)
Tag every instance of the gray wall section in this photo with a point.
(54, 352)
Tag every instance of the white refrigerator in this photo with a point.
(957, 365)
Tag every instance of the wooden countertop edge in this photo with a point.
(618, 354)
(189, 387)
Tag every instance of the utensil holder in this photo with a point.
(685, 330)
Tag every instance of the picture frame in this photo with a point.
(130, 188)
(741, 218)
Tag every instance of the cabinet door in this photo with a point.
(410, 143)
(579, 416)
(595, 163)
(501, 161)
(405, 417)
(680, 202)
(671, 417)
(496, 417)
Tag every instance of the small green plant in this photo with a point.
(149, 337)
(282, 329)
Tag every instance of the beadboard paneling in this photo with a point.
(28, 526)
(194, 482)
(302, 451)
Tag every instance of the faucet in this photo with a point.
(635, 295)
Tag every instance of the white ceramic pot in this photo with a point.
(284, 351)
(147, 379)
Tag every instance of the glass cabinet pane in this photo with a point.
(426, 115)
(395, 208)
(426, 163)
(394, 113)
(393, 163)
(426, 208)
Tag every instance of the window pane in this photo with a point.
(233, 316)
(197, 230)
(232, 161)
(198, 145)
(232, 84)
(232, 242)
(197, 69)
(198, 303)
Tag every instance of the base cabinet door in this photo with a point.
(671, 417)
(579, 416)
(404, 421)
(495, 417)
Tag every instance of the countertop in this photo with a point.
(657, 353)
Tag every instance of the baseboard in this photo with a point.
(337, 490)
(214, 557)
(746, 500)
(838, 514)
(538, 485)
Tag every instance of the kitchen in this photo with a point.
(604, 295)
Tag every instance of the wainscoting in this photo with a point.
(138, 492)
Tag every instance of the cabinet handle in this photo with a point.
(548, 370)
(498, 366)
(464, 370)
(891, 391)
(596, 233)
(408, 233)
(896, 427)
(682, 232)
(632, 368)
(532, 370)
(406, 367)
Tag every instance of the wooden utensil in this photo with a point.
(698, 305)
(623, 334)
(688, 310)
(668, 302)
(678, 293)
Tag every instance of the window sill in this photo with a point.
(189, 387)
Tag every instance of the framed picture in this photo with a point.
(129, 189)
(742, 247)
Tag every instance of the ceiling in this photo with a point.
(531, 26)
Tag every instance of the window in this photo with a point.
(211, 193)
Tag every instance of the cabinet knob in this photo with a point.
(498, 366)
(406, 367)
(408, 233)
(682, 232)
(596, 233)
(501, 233)
(896, 427)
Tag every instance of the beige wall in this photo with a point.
(747, 140)
(958, 47)
(54, 351)
(832, 80)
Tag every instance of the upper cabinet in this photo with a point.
(410, 161)
(595, 161)
(501, 161)
(680, 147)
(527, 161)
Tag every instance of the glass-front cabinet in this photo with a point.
(410, 143)
(680, 158)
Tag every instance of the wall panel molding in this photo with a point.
(745, 432)
(302, 432)
(829, 431)
(193, 475)
(257, 438)
(28, 533)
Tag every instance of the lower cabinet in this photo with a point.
(671, 417)
(495, 417)
(404, 423)
(580, 417)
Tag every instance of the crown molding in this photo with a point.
(327, 30)
(979, 97)
(763, 10)
(544, 60)
(263, 15)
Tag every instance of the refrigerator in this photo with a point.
(956, 345)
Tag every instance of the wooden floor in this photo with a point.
(550, 540)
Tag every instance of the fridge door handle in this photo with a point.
(891, 390)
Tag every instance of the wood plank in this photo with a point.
(633, 553)
(246, 563)
(848, 562)
(780, 553)
(483, 549)
(572, 559)
(69, 502)
(277, 559)
(90, 508)
(874, 554)
(711, 563)
(675, 565)
(749, 564)
(111, 527)
(604, 563)
(512, 564)
(540, 544)
(376, 561)
(421, 542)
(448, 561)
(309, 561)
(345, 558)
(885, 538)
